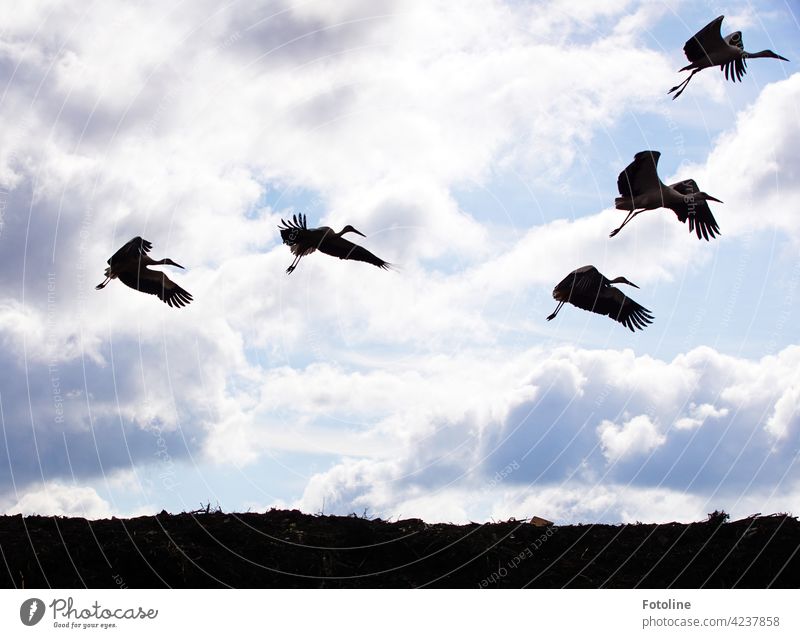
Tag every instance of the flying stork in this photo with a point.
(640, 187)
(130, 265)
(708, 48)
(588, 289)
(303, 240)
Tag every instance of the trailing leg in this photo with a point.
(630, 216)
(682, 85)
(555, 312)
(291, 268)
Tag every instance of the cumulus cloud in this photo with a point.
(636, 436)
(753, 166)
(698, 415)
(57, 499)
(579, 422)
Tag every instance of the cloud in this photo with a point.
(698, 415)
(636, 436)
(556, 426)
(753, 167)
(784, 417)
(57, 499)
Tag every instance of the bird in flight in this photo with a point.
(303, 240)
(588, 289)
(641, 188)
(708, 48)
(130, 265)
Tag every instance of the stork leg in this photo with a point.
(291, 268)
(630, 216)
(682, 85)
(555, 312)
(103, 285)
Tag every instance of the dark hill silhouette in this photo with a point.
(292, 549)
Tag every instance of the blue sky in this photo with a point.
(477, 145)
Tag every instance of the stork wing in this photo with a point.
(613, 303)
(134, 249)
(155, 282)
(641, 175)
(738, 67)
(293, 229)
(585, 280)
(701, 220)
(345, 249)
(707, 39)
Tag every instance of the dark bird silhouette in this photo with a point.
(304, 241)
(708, 48)
(130, 265)
(588, 289)
(641, 188)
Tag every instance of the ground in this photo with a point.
(291, 549)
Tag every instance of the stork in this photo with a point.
(130, 265)
(303, 240)
(708, 48)
(588, 289)
(641, 188)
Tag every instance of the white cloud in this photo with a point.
(753, 167)
(557, 423)
(57, 499)
(698, 415)
(639, 435)
(784, 416)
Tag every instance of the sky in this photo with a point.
(477, 145)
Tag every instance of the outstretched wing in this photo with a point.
(344, 249)
(612, 302)
(701, 220)
(155, 282)
(735, 69)
(707, 39)
(641, 175)
(134, 249)
(292, 230)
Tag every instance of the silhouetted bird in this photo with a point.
(708, 48)
(130, 265)
(641, 187)
(304, 241)
(588, 289)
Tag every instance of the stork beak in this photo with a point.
(358, 232)
(630, 283)
(780, 57)
(714, 199)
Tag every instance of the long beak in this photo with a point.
(714, 199)
(780, 57)
(630, 283)
(358, 232)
